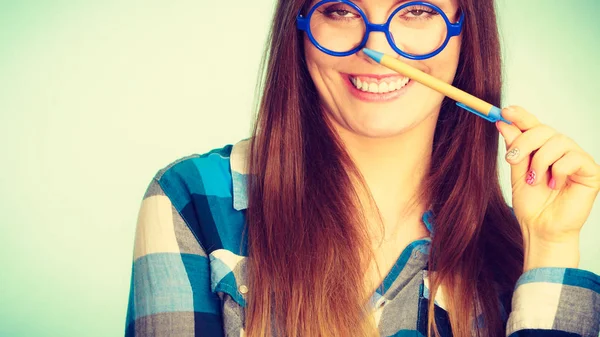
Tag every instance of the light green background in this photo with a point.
(95, 97)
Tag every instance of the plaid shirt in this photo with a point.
(189, 267)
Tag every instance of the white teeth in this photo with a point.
(383, 87)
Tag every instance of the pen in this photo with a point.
(463, 99)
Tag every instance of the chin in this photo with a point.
(382, 131)
(386, 127)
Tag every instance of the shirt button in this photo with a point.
(243, 289)
(381, 303)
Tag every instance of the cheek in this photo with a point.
(314, 58)
(443, 65)
(319, 62)
(455, 46)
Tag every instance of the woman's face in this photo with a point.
(374, 110)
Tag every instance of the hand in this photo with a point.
(554, 184)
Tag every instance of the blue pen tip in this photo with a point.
(375, 55)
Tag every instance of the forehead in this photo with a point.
(443, 4)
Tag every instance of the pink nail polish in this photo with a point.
(530, 177)
(552, 183)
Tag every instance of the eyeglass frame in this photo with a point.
(453, 29)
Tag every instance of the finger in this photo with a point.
(520, 152)
(528, 142)
(550, 152)
(576, 165)
(520, 117)
(509, 132)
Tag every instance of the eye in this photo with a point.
(418, 12)
(340, 12)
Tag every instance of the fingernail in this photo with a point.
(530, 177)
(512, 154)
(509, 108)
(497, 126)
(552, 183)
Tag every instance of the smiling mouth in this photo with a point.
(380, 86)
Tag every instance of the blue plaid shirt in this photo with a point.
(189, 266)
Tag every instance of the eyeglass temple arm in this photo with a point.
(301, 22)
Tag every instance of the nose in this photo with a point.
(377, 40)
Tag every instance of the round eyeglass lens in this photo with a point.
(337, 26)
(418, 29)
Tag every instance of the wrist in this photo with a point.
(540, 253)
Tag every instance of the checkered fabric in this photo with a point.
(189, 266)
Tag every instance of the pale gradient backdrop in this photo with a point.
(95, 97)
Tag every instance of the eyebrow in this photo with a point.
(397, 2)
(440, 4)
(443, 5)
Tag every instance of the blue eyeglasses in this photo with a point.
(415, 30)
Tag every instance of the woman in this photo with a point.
(361, 195)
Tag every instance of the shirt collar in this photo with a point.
(238, 161)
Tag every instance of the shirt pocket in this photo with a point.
(228, 275)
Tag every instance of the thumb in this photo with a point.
(509, 132)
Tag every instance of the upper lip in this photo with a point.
(379, 77)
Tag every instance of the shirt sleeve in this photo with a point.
(555, 302)
(170, 292)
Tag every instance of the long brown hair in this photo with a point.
(307, 241)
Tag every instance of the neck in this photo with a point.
(394, 169)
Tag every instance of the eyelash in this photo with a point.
(329, 12)
(421, 9)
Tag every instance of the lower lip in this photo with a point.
(376, 97)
